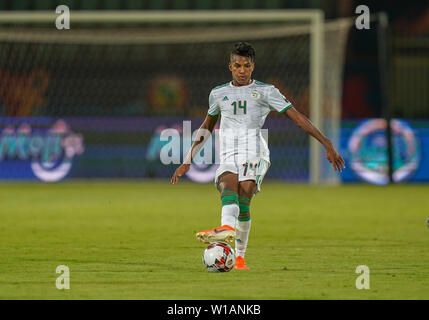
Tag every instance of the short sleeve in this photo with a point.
(277, 101)
(214, 109)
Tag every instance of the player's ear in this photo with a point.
(230, 66)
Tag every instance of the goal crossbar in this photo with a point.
(159, 16)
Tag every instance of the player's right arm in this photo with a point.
(203, 133)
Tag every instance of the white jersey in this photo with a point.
(243, 110)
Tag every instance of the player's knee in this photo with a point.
(247, 188)
(228, 181)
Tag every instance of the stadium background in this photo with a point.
(117, 103)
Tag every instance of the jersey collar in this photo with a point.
(247, 85)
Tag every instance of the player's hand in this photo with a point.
(335, 158)
(180, 171)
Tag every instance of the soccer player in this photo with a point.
(243, 104)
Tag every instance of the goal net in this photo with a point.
(120, 78)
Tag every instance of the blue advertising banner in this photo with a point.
(51, 149)
(363, 145)
(37, 149)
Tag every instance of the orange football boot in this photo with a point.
(223, 233)
(240, 264)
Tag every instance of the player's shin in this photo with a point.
(230, 208)
(242, 229)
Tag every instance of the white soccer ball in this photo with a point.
(219, 257)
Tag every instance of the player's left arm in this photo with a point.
(305, 124)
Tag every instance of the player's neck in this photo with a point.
(235, 84)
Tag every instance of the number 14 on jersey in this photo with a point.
(241, 105)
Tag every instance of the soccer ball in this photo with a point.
(219, 257)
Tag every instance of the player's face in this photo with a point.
(241, 69)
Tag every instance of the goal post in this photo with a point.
(206, 26)
(316, 87)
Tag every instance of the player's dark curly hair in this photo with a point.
(244, 49)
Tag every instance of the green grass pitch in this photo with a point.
(136, 240)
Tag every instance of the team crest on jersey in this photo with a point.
(255, 94)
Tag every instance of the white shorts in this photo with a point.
(247, 169)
